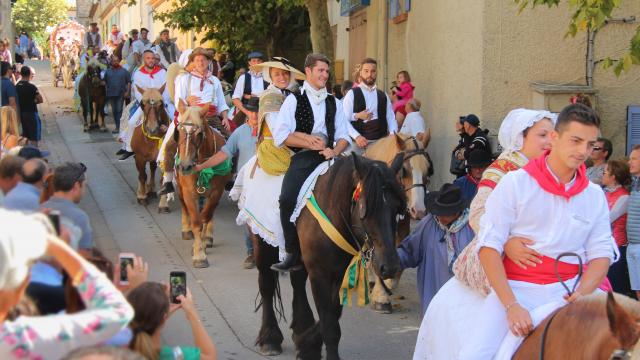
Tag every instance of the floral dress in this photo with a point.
(53, 336)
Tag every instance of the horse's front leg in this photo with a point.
(151, 182)
(270, 337)
(380, 301)
(141, 193)
(217, 189)
(199, 255)
(325, 295)
(103, 128)
(306, 332)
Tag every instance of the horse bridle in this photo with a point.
(187, 126)
(409, 154)
(157, 110)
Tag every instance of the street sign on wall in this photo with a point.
(347, 7)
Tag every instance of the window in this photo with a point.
(398, 10)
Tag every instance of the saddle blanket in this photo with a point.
(258, 194)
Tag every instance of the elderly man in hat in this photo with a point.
(148, 76)
(477, 163)
(477, 138)
(92, 37)
(437, 241)
(249, 84)
(167, 48)
(197, 87)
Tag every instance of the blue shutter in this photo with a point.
(407, 5)
(633, 126)
(394, 8)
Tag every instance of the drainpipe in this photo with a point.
(385, 19)
(591, 63)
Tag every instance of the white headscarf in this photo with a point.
(23, 239)
(184, 58)
(511, 136)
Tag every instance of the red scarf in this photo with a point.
(150, 73)
(115, 32)
(203, 79)
(539, 170)
(116, 66)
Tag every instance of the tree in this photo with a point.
(591, 16)
(321, 36)
(33, 16)
(238, 25)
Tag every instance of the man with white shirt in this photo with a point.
(198, 87)
(551, 202)
(368, 109)
(146, 77)
(116, 36)
(92, 37)
(413, 123)
(249, 84)
(139, 46)
(309, 123)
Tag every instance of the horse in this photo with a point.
(92, 97)
(597, 326)
(196, 142)
(68, 64)
(367, 219)
(414, 176)
(146, 141)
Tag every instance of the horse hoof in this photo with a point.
(187, 235)
(381, 308)
(199, 264)
(142, 202)
(163, 210)
(208, 241)
(152, 194)
(270, 349)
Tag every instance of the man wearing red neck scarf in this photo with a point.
(149, 76)
(116, 36)
(551, 202)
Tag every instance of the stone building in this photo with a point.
(482, 57)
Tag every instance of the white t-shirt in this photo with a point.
(413, 124)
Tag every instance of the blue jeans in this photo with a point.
(247, 240)
(117, 102)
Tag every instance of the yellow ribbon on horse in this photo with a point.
(355, 278)
(158, 139)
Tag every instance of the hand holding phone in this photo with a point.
(124, 260)
(54, 217)
(178, 285)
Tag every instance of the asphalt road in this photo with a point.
(225, 293)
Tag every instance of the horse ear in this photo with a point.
(396, 164)
(621, 323)
(140, 90)
(399, 141)
(161, 90)
(426, 139)
(358, 164)
(182, 106)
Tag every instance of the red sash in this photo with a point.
(541, 274)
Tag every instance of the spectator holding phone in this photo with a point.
(152, 309)
(23, 239)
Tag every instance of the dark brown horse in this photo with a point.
(196, 142)
(92, 98)
(598, 326)
(146, 141)
(368, 220)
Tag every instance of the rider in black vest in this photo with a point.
(368, 109)
(300, 127)
(239, 101)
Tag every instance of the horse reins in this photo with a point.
(409, 154)
(570, 292)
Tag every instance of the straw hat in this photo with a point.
(278, 63)
(200, 51)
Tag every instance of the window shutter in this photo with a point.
(633, 126)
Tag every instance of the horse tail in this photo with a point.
(278, 306)
(172, 74)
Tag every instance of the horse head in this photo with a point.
(377, 202)
(153, 109)
(93, 73)
(190, 136)
(624, 326)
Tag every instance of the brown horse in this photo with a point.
(196, 142)
(367, 221)
(596, 327)
(414, 176)
(146, 141)
(92, 97)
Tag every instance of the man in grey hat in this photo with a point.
(477, 137)
(249, 84)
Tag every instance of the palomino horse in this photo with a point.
(68, 63)
(414, 176)
(146, 141)
(92, 97)
(367, 220)
(197, 142)
(598, 326)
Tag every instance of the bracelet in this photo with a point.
(506, 308)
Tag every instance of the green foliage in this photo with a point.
(592, 15)
(33, 16)
(238, 25)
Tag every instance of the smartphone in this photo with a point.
(54, 217)
(178, 283)
(125, 259)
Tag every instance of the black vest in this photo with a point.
(247, 87)
(305, 120)
(372, 130)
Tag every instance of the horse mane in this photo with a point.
(193, 113)
(386, 148)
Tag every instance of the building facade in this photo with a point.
(483, 57)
